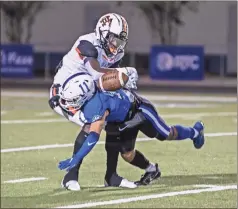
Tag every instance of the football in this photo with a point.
(112, 81)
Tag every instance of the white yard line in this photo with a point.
(180, 115)
(202, 114)
(24, 94)
(148, 197)
(205, 186)
(50, 146)
(221, 134)
(183, 98)
(53, 146)
(25, 180)
(57, 120)
(183, 105)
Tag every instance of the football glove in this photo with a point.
(68, 164)
(54, 101)
(131, 83)
(131, 72)
(87, 146)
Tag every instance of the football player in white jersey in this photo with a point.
(95, 54)
(99, 52)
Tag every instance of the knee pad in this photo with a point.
(126, 147)
(128, 156)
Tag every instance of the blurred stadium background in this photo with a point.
(52, 27)
(186, 57)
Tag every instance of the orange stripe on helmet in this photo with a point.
(124, 25)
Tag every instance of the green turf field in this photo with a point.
(205, 178)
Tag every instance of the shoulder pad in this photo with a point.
(87, 49)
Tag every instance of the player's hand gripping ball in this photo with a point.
(112, 81)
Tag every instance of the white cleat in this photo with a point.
(127, 184)
(71, 185)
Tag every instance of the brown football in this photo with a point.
(112, 81)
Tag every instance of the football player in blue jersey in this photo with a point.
(115, 141)
(95, 53)
(131, 112)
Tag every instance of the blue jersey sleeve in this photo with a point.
(95, 108)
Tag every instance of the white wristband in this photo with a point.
(100, 84)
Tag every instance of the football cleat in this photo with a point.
(71, 185)
(148, 177)
(127, 184)
(198, 142)
(118, 181)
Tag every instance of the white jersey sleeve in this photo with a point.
(76, 60)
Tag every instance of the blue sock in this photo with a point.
(185, 132)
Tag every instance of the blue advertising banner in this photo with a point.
(177, 62)
(16, 60)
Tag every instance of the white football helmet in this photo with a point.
(76, 90)
(112, 32)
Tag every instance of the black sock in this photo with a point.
(140, 160)
(74, 172)
(112, 147)
(80, 140)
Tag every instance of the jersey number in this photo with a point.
(84, 87)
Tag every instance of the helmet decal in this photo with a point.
(106, 20)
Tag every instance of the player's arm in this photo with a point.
(92, 139)
(93, 64)
(96, 66)
(89, 54)
(99, 124)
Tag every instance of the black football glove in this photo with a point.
(54, 101)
